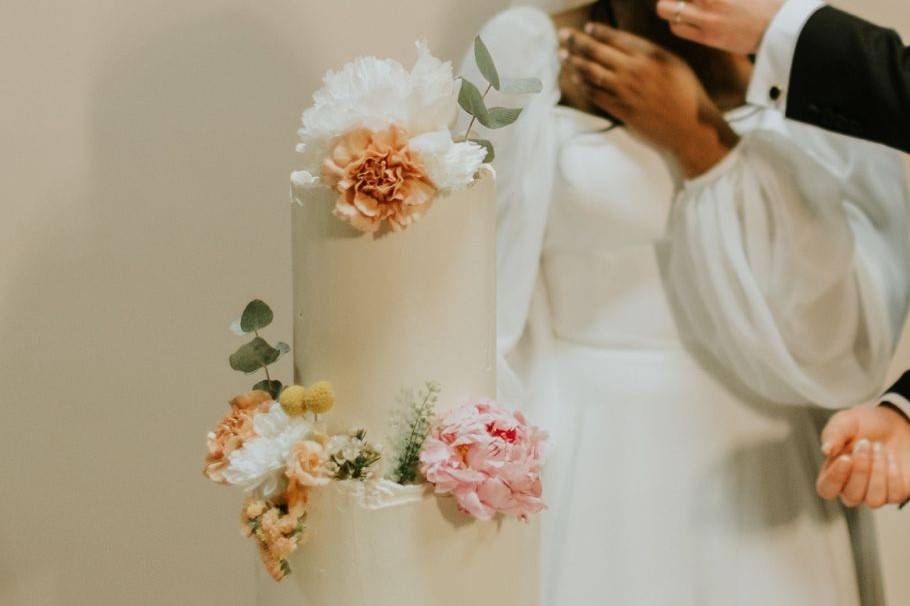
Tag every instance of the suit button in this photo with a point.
(813, 108)
(775, 93)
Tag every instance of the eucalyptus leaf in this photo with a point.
(282, 347)
(256, 316)
(273, 387)
(252, 356)
(520, 86)
(470, 100)
(498, 117)
(487, 145)
(235, 328)
(485, 62)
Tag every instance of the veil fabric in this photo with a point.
(523, 43)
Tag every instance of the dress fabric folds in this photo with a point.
(684, 341)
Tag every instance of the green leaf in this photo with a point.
(487, 145)
(470, 99)
(285, 567)
(282, 347)
(273, 387)
(485, 62)
(498, 117)
(521, 86)
(256, 316)
(252, 356)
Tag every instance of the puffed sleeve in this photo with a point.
(523, 44)
(789, 263)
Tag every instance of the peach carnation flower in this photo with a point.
(378, 179)
(305, 464)
(233, 430)
(379, 135)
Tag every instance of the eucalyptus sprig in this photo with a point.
(258, 353)
(473, 101)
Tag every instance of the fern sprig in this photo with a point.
(413, 421)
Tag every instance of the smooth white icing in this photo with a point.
(375, 315)
(381, 493)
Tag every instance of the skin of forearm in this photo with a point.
(705, 147)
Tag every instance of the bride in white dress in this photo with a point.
(683, 339)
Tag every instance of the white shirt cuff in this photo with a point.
(898, 401)
(771, 75)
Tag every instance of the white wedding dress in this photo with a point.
(681, 340)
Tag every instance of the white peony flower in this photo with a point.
(258, 466)
(377, 94)
(451, 166)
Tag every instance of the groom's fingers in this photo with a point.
(833, 477)
(897, 491)
(689, 32)
(839, 431)
(877, 494)
(854, 491)
(690, 13)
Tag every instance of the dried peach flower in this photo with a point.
(251, 400)
(233, 430)
(379, 179)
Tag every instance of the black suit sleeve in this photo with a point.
(851, 77)
(902, 387)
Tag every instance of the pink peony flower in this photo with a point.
(488, 458)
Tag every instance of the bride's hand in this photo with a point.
(653, 91)
(868, 450)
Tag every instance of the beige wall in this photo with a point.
(146, 149)
(893, 525)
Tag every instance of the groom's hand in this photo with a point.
(736, 26)
(868, 450)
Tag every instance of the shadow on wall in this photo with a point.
(116, 333)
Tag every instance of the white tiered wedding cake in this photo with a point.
(373, 315)
(359, 491)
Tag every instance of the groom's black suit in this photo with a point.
(852, 77)
(901, 389)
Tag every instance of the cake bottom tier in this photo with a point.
(419, 553)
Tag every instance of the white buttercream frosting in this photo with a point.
(382, 493)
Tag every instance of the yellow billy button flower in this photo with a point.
(319, 398)
(292, 400)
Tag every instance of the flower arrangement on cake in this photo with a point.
(380, 136)
(272, 445)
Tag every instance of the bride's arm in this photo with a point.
(789, 262)
(788, 248)
(654, 92)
